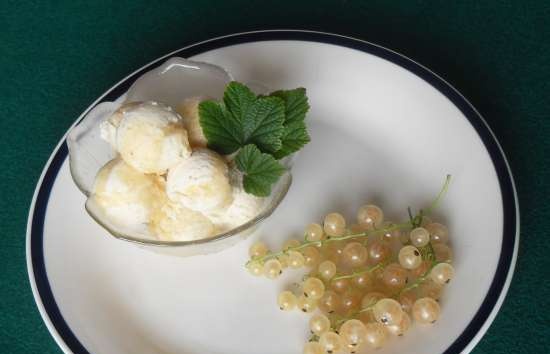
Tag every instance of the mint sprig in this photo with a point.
(237, 98)
(265, 128)
(294, 138)
(260, 170)
(263, 123)
(295, 134)
(296, 104)
(220, 128)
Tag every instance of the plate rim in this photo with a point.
(486, 313)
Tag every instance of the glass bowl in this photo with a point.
(170, 83)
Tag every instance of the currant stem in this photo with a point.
(428, 252)
(342, 319)
(418, 280)
(313, 338)
(356, 274)
(328, 240)
(413, 222)
(415, 284)
(440, 195)
(368, 308)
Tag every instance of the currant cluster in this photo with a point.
(367, 281)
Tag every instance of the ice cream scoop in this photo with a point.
(173, 222)
(125, 195)
(243, 208)
(189, 111)
(108, 127)
(200, 182)
(149, 136)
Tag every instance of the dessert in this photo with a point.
(189, 111)
(149, 136)
(202, 169)
(173, 222)
(200, 182)
(244, 206)
(126, 195)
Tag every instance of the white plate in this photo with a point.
(384, 129)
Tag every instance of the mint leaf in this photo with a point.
(295, 134)
(265, 128)
(220, 128)
(242, 119)
(260, 170)
(263, 123)
(296, 104)
(237, 98)
(294, 138)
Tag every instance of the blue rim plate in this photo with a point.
(44, 297)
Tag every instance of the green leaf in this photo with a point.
(260, 170)
(263, 123)
(265, 128)
(295, 134)
(296, 104)
(219, 127)
(238, 98)
(294, 138)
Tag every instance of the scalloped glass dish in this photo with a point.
(170, 83)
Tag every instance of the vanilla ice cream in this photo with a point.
(243, 208)
(126, 196)
(159, 182)
(109, 126)
(189, 110)
(173, 222)
(200, 182)
(149, 136)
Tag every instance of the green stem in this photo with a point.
(353, 315)
(415, 284)
(440, 195)
(412, 222)
(280, 253)
(338, 320)
(314, 338)
(368, 308)
(328, 240)
(356, 274)
(415, 221)
(427, 252)
(418, 280)
(411, 217)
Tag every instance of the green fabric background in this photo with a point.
(59, 56)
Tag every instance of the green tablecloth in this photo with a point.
(56, 58)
